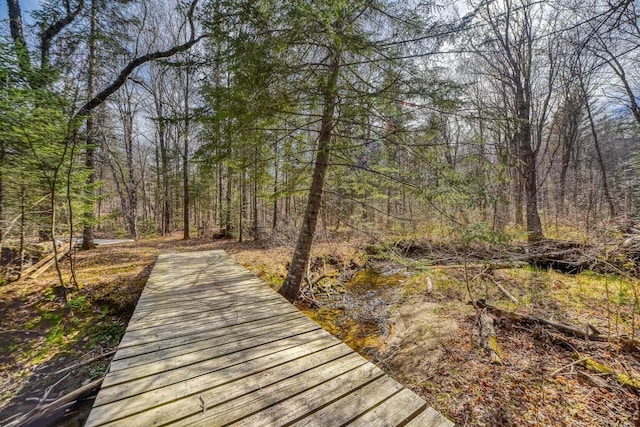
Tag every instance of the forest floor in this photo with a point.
(405, 314)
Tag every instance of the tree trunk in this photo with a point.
(185, 160)
(220, 192)
(2, 154)
(596, 143)
(243, 196)
(131, 211)
(528, 162)
(164, 157)
(274, 224)
(227, 220)
(15, 25)
(255, 225)
(291, 287)
(22, 225)
(87, 231)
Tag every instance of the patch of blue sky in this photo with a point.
(26, 6)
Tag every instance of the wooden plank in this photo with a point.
(254, 336)
(230, 331)
(228, 392)
(230, 295)
(161, 301)
(228, 319)
(352, 405)
(237, 281)
(232, 288)
(430, 418)
(209, 344)
(290, 409)
(236, 411)
(393, 411)
(192, 364)
(199, 312)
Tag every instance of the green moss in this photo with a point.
(358, 336)
(108, 334)
(78, 303)
(372, 279)
(416, 285)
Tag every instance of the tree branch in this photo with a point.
(135, 63)
(53, 30)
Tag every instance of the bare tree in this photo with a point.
(509, 52)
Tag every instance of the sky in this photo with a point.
(25, 6)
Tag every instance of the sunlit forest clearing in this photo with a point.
(451, 188)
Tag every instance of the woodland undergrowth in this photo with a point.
(361, 290)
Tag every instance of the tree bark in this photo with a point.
(528, 159)
(15, 25)
(274, 223)
(185, 161)
(596, 143)
(291, 287)
(87, 231)
(131, 213)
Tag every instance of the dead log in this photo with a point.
(487, 337)
(45, 263)
(521, 318)
(592, 381)
(61, 253)
(487, 267)
(28, 271)
(622, 378)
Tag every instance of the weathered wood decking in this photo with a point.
(211, 345)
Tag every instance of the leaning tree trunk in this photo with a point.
(291, 287)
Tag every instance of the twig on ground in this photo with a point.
(562, 368)
(88, 362)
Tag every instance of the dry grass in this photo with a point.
(41, 334)
(457, 377)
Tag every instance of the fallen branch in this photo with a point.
(64, 250)
(330, 275)
(566, 329)
(505, 292)
(592, 381)
(488, 267)
(85, 363)
(622, 378)
(43, 399)
(45, 263)
(24, 274)
(20, 331)
(570, 365)
(42, 415)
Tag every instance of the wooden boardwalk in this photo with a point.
(209, 344)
